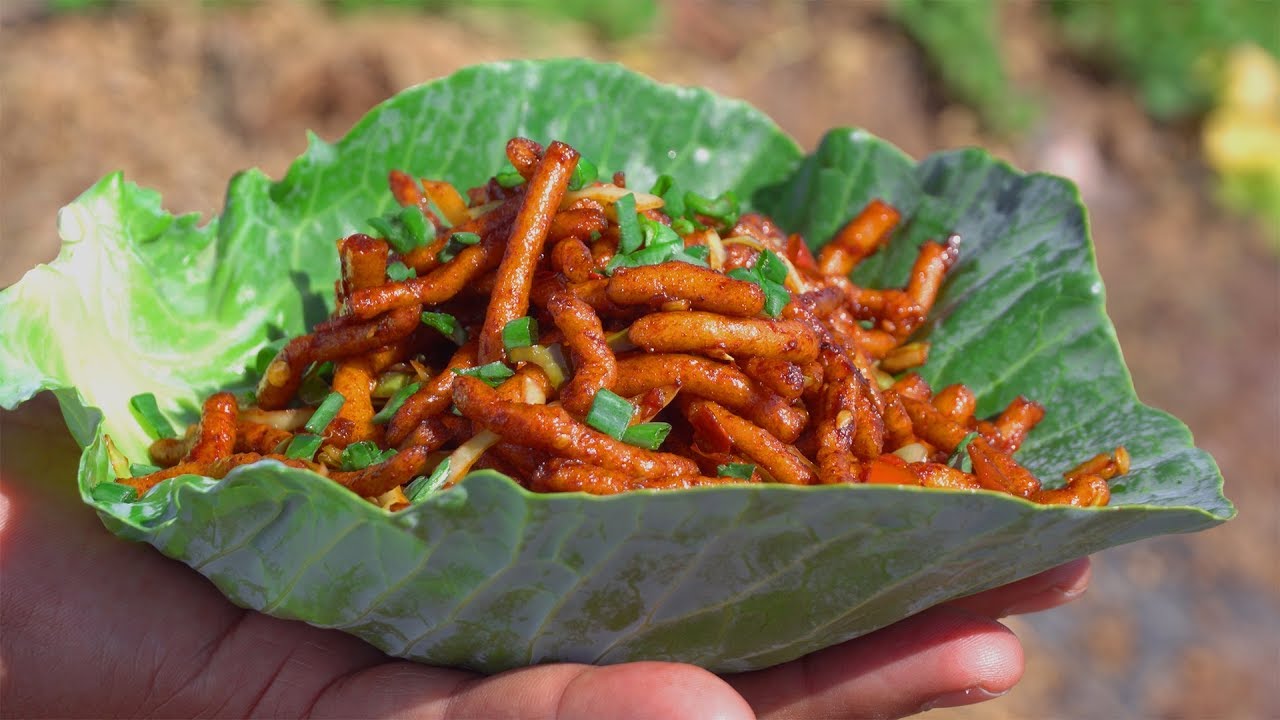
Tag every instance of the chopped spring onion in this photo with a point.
(724, 208)
(405, 229)
(267, 354)
(315, 384)
(492, 374)
(769, 273)
(325, 414)
(393, 405)
(140, 469)
(447, 324)
(303, 447)
(109, 492)
(610, 413)
(548, 357)
(457, 242)
(647, 435)
(583, 175)
(399, 272)
(629, 237)
(388, 383)
(742, 471)
(693, 254)
(960, 459)
(425, 485)
(620, 341)
(521, 332)
(360, 455)
(119, 463)
(683, 226)
(147, 413)
(669, 190)
(509, 179)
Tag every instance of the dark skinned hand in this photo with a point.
(95, 626)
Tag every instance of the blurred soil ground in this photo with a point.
(1181, 627)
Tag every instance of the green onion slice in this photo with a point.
(724, 208)
(647, 435)
(113, 492)
(360, 455)
(147, 413)
(399, 272)
(610, 413)
(140, 469)
(629, 237)
(583, 175)
(742, 471)
(548, 357)
(509, 179)
(427, 485)
(521, 332)
(385, 414)
(389, 383)
(303, 447)
(960, 459)
(267, 354)
(447, 324)
(325, 414)
(492, 374)
(669, 190)
(457, 242)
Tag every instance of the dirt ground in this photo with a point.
(1178, 627)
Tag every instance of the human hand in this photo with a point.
(98, 626)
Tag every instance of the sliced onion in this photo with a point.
(913, 452)
(549, 358)
(290, 419)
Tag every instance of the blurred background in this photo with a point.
(1167, 115)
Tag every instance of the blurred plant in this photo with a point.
(613, 19)
(1170, 50)
(960, 40)
(1242, 135)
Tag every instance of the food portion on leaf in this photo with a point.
(577, 335)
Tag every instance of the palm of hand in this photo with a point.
(97, 626)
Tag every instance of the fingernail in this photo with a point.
(1066, 594)
(968, 696)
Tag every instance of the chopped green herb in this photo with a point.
(960, 459)
(610, 413)
(385, 414)
(447, 324)
(389, 383)
(140, 469)
(683, 226)
(405, 229)
(769, 273)
(426, 485)
(694, 255)
(360, 455)
(147, 413)
(399, 272)
(387, 455)
(267, 354)
(492, 374)
(629, 237)
(457, 242)
(315, 383)
(742, 471)
(583, 175)
(724, 208)
(521, 332)
(509, 179)
(669, 190)
(325, 414)
(109, 492)
(647, 435)
(303, 447)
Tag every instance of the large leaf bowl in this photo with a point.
(489, 576)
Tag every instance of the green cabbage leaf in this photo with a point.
(489, 576)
